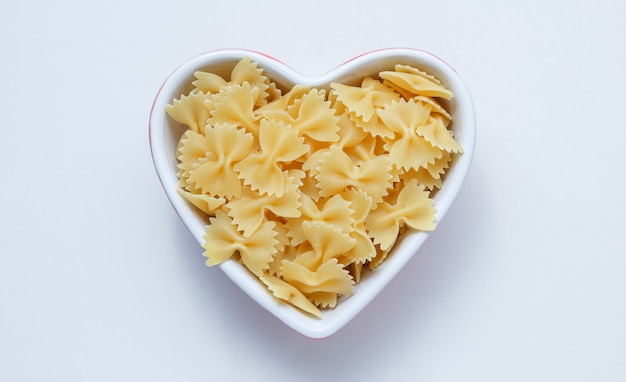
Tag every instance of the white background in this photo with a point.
(525, 278)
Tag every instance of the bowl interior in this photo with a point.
(165, 132)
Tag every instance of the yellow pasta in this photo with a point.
(282, 103)
(247, 71)
(436, 133)
(431, 175)
(335, 211)
(235, 108)
(350, 135)
(413, 207)
(337, 172)
(279, 144)
(188, 110)
(327, 241)
(207, 160)
(330, 277)
(363, 100)
(287, 292)
(416, 82)
(205, 203)
(209, 82)
(223, 240)
(311, 116)
(364, 249)
(249, 211)
(309, 188)
(409, 149)
(436, 108)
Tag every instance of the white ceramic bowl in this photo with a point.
(165, 132)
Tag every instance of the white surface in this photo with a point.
(525, 278)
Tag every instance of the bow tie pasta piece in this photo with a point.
(364, 249)
(236, 108)
(244, 71)
(324, 242)
(365, 99)
(438, 135)
(337, 172)
(324, 300)
(287, 292)
(279, 144)
(335, 211)
(409, 149)
(416, 82)
(248, 71)
(330, 277)
(327, 241)
(223, 240)
(284, 251)
(189, 110)
(431, 177)
(374, 126)
(311, 188)
(205, 203)
(409, 69)
(207, 159)
(350, 135)
(359, 145)
(249, 211)
(209, 82)
(379, 259)
(311, 115)
(371, 147)
(436, 108)
(413, 208)
(362, 103)
(282, 103)
(302, 253)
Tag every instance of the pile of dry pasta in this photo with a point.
(310, 188)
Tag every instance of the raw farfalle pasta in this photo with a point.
(205, 203)
(413, 207)
(362, 103)
(364, 249)
(310, 115)
(235, 107)
(310, 188)
(189, 110)
(334, 211)
(408, 149)
(411, 81)
(223, 240)
(338, 172)
(250, 210)
(206, 160)
(262, 170)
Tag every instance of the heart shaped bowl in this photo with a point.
(164, 134)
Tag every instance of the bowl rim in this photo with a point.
(335, 319)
